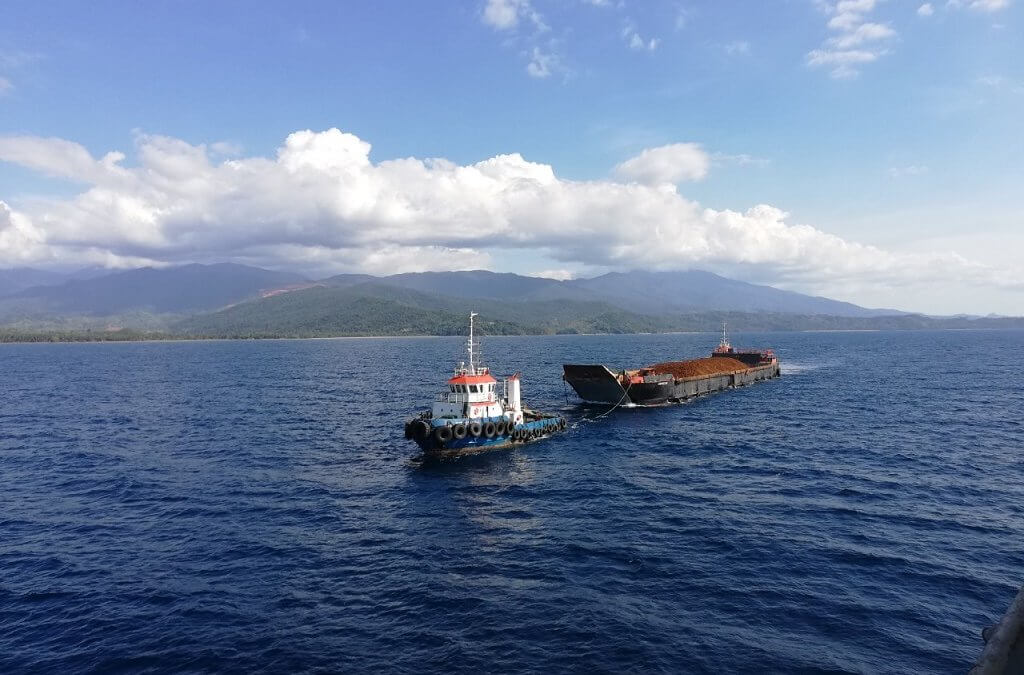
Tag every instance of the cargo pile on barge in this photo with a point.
(471, 416)
(673, 381)
(697, 367)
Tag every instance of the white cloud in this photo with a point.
(865, 32)
(57, 157)
(853, 31)
(16, 58)
(635, 41)
(559, 274)
(855, 6)
(737, 47)
(501, 14)
(742, 159)
(682, 18)
(926, 9)
(542, 64)
(979, 5)
(322, 204)
(12, 60)
(666, 164)
(226, 148)
(843, 62)
(911, 170)
(19, 240)
(506, 14)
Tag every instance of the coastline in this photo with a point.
(113, 338)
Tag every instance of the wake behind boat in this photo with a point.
(471, 416)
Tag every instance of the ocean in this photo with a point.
(253, 507)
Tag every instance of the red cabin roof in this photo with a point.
(472, 379)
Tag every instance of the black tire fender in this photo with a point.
(475, 428)
(443, 434)
(489, 429)
(459, 431)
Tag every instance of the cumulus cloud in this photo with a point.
(322, 204)
(856, 41)
(666, 164)
(926, 9)
(57, 157)
(226, 148)
(18, 239)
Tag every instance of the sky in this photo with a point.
(865, 150)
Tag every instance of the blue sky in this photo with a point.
(890, 126)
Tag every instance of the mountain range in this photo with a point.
(229, 299)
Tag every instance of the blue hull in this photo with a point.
(522, 433)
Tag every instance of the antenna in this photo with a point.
(469, 344)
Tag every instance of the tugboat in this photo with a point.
(471, 416)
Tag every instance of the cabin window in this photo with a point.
(472, 388)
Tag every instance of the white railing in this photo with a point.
(462, 398)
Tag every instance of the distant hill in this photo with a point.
(487, 285)
(378, 309)
(228, 300)
(16, 279)
(184, 289)
(639, 291)
(695, 290)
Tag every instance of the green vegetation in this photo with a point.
(373, 309)
(9, 335)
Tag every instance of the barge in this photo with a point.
(471, 415)
(673, 381)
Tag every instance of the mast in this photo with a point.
(725, 338)
(469, 344)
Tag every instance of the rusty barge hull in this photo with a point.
(598, 384)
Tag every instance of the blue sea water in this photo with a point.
(253, 507)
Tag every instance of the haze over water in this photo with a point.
(253, 507)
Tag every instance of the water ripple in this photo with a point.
(252, 507)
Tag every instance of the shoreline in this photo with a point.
(70, 338)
